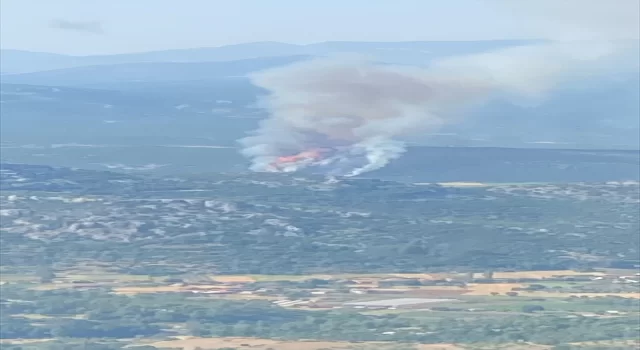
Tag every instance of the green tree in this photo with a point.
(45, 273)
(532, 308)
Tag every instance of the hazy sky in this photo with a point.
(115, 26)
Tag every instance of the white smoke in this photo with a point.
(574, 20)
(360, 107)
(378, 152)
(366, 109)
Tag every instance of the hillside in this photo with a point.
(254, 223)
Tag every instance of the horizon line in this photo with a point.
(265, 42)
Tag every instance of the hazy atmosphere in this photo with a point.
(118, 26)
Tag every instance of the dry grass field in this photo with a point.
(130, 285)
(167, 289)
(423, 276)
(566, 295)
(191, 343)
(487, 289)
(634, 343)
(544, 274)
(233, 279)
(24, 341)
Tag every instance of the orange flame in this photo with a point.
(310, 154)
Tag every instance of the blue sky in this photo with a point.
(142, 25)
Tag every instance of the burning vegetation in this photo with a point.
(366, 111)
(292, 162)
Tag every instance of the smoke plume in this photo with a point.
(361, 111)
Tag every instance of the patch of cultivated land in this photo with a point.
(192, 343)
(461, 297)
(503, 282)
(635, 343)
(590, 295)
(544, 274)
(165, 289)
(487, 289)
(538, 274)
(233, 279)
(275, 278)
(25, 341)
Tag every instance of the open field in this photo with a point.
(191, 343)
(559, 284)
(635, 343)
(25, 341)
(233, 279)
(427, 276)
(544, 274)
(590, 295)
(166, 289)
(487, 289)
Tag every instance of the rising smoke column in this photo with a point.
(359, 106)
(366, 109)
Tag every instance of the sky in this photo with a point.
(82, 27)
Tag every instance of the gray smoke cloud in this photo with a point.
(363, 110)
(353, 104)
(91, 27)
(570, 20)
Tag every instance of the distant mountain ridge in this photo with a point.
(148, 72)
(17, 61)
(209, 88)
